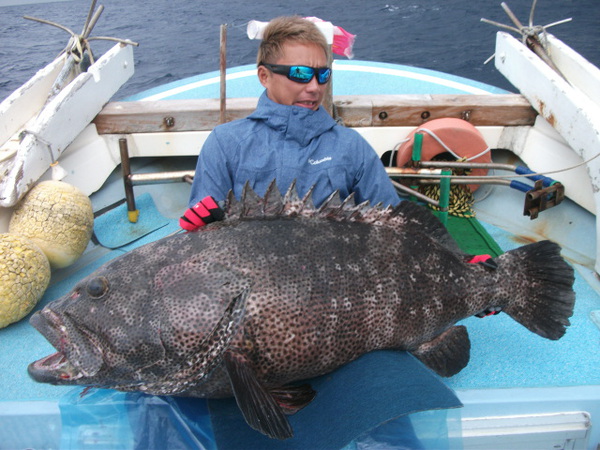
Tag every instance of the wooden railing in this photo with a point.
(354, 111)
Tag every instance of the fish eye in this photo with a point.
(97, 287)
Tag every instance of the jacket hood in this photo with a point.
(298, 123)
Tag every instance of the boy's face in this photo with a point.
(282, 90)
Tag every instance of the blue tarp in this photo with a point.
(364, 404)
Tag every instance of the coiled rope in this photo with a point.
(461, 200)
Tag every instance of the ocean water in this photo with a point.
(181, 39)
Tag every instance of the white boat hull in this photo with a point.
(40, 141)
(571, 106)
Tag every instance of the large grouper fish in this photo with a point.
(280, 292)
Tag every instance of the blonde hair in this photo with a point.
(289, 28)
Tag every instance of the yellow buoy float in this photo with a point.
(58, 218)
(24, 277)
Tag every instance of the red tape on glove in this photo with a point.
(202, 213)
(479, 258)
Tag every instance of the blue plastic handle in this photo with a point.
(521, 170)
(520, 186)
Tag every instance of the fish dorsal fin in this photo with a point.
(367, 213)
(308, 207)
(273, 201)
(349, 203)
(233, 208)
(331, 206)
(292, 204)
(407, 215)
(252, 203)
(359, 211)
(273, 204)
(351, 211)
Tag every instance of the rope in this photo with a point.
(461, 199)
(38, 138)
(449, 150)
(460, 203)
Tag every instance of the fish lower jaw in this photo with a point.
(54, 369)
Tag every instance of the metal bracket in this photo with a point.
(133, 179)
(541, 198)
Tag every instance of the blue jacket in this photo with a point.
(289, 143)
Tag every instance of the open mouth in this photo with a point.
(55, 368)
(307, 104)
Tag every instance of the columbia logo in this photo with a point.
(314, 162)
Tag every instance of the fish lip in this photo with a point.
(50, 325)
(61, 367)
(54, 368)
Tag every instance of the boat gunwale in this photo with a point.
(141, 116)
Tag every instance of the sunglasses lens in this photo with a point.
(323, 75)
(301, 74)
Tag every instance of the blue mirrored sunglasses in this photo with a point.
(301, 74)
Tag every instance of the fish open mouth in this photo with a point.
(57, 367)
(54, 368)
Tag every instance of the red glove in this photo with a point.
(202, 213)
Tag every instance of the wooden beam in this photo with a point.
(414, 110)
(169, 115)
(354, 111)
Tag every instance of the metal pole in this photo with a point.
(132, 212)
(468, 165)
(445, 196)
(415, 194)
(178, 176)
(416, 153)
(223, 68)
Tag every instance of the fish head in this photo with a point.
(104, 330)
(150, 316)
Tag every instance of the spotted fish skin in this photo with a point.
(280, 292)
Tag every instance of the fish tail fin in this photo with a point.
(544, 298)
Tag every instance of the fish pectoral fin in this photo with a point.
(258, 406)
(446, 354)
(292, 399)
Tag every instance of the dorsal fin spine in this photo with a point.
(273, 201)
(273, 205)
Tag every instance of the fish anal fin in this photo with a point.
(292, 399)
(448, 353)
(258, 406)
